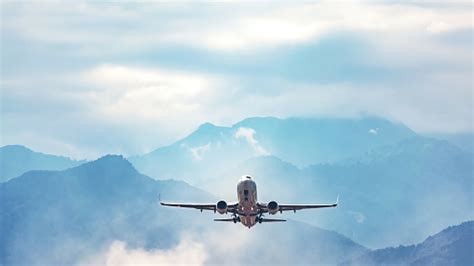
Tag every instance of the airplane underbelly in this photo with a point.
(247, 214)
(248, 221)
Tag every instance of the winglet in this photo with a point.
(337, 200)
(159, 198)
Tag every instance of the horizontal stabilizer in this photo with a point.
(265, 220)
(224, 220)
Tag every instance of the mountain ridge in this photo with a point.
(18, 159)
(451, 246)
(300, 141)
(62, 217)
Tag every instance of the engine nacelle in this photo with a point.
(272, 207)
(221, 207)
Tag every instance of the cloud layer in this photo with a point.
(146, 74)
(187, 252)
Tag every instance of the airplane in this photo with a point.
(248, 210)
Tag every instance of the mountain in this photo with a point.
(464, 141)
(305, 141)
(290, 243)
(57, 217)
(16, 160)
(452, 246)
(381, 169)
(67, 217)
(418, 185)
(212, 150)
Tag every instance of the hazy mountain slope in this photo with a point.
(56, 217)
(304, 141)
(207, 151)
(290, 243)
(212, 150)
(464, 141)
(418, 186)
(67, 217)
(452, 246)
(16, 160)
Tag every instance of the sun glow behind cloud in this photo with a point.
(146, 93)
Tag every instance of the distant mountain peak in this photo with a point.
(255, 119)
(207, 125)
(16, 160)
(15, 147)
(451, 246)
(112, 159)
(110, 164)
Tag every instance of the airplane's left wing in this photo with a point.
(296, 207)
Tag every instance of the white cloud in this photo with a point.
(198, 151)
(223, 27)
(373, 131)
(187, 252)
(137, 108)
(146, 93)
(196, 247)
(82, 64)
(248, 135)
(358, 216)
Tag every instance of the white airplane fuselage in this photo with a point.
(247, 197)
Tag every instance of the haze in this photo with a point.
(151, 73)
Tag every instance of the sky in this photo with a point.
(83, 79)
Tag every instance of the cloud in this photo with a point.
(133, 106)
(187, 252)
(373, 131)
(145, 75)
(201, 246)
(146, 93)
(225, 27)
(358, 216)
(248, 135)
(198, 151)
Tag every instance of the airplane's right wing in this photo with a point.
(199, 206)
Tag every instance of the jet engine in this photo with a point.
(221, 207)
(272, 207)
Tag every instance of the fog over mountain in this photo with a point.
(382, 170)
(89, 213)
(211, 149)
(394, 190)
(57, 217)
(105, 212)
(452, 246)
(16, 160)
(418, 186)
(367, 102)
(464, 141)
